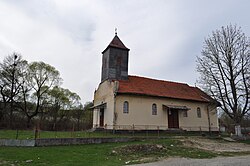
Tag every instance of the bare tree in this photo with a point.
(224, 69)
(10, 83)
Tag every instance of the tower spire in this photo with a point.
(116, 31)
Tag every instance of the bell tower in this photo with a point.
(115, 61)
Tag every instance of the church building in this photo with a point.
(126, 102)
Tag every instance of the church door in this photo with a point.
(101, 117)
(173, 118)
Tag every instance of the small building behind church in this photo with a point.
(126, 102)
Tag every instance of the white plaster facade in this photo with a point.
(140, 111)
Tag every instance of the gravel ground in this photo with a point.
(219, 161)
(213, 145)
(210, 145)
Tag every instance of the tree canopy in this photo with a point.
(32, 91)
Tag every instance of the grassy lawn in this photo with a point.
(98, 154)
(95, 154)
(30, 134)
(110, 154)
(245, 141)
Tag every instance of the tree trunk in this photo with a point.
(28, 122)
(78, 123)
(237, 127)
(238, 130)
(11, 116)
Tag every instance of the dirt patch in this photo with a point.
(141, 148)
(215, 145)
(140, 153)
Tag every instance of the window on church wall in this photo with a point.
(185, 113)
(125, 107)
(154, 109)
(198, 112)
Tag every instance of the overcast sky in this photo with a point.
(164, 36)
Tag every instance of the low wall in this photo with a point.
(16, 142)
(61, 141)
(77, 141)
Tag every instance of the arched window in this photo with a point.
(125, 107)
(198, 112)
(154, 109)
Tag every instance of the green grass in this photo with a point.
(101, 154)
(60, 155)
(245, 141)
(95, 154)
(13, 134)
(30, 134)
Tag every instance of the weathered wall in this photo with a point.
(61, 141)
(104, 94)
(140, 113)
(78, 141)
(16, 142)
(105, 65)
(115, 64)
(118, 64)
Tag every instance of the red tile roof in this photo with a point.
(117, 43)
(152, 87)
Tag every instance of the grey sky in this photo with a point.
(164, 36)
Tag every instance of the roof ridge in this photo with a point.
(161, 88)
(203, 95)
(119, 40)
(160, 80)
(116, 43)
